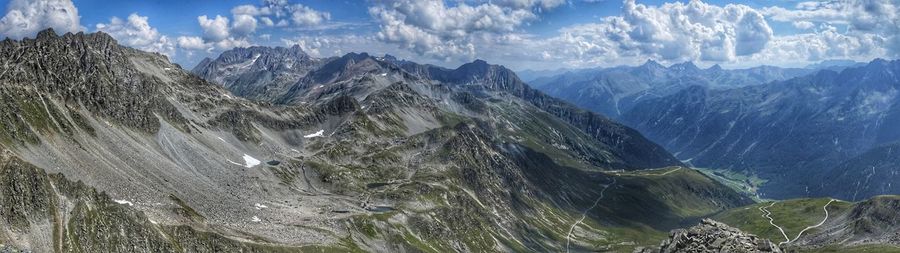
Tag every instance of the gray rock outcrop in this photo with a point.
(712, 236)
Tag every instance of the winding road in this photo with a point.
(817, 225)
(584, 214)
(767, 214)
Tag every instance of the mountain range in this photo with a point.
(614, 91)
(824, 130)
(111, 149)
(823, 134)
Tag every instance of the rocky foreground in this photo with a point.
(712, 236)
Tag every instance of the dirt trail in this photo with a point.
(817, 225)
(768, 215)
(584, 214)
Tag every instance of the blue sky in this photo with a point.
(521, 34)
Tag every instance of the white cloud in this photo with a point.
(24, 18)
(305, 16)
(222, 33)
(267, 21)
(672, 32)
(214, 30)
(243, 25)
(826, 42)
(249, 10)
(136, 32)
(874, 23)
(191, 43)
(752, 33)
(524, 4)
(432, 28)
(283, 12)
(232, 42)
(803, 25)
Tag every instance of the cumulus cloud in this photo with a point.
(136, 32)
(191, 43)
(222, 33)
(872, 24)
(24, 18)
(214, 29)
(243, 25)
(267, 21)
(827, 42)
(803, 25)
(523, 4)
(305, 16)
(272, 12)
(671, 32)
(430, 27)
(752, 33)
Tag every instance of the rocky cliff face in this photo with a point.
(257, 72)
(82, 69)
(712, 236)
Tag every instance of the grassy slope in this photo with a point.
(792, 215)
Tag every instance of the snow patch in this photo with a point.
(320, 133)
(260, 206)
(123, 202)
(383, 74)
(255, 219)
(249, 161)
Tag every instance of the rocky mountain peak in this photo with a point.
(687, 66)
(651, 68)
(650, 63)
(712, 236)
(46, 34)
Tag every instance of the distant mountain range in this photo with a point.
(835, 65)
(793, 132)
(614, 91)
(808, 132)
